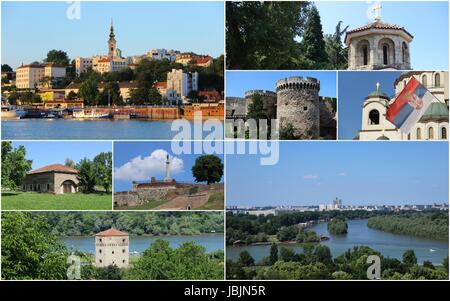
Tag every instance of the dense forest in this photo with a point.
(424, 224)
(31, 250)
(316, 262)
(337, 226)
(135, 223)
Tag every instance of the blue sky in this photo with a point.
(139, 161)
(427, 21)
(353, 88)
(312, 173)
(52, 152)
(31, 29)
(240, 81)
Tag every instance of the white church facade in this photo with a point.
(432, 126)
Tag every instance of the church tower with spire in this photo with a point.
(112, 47)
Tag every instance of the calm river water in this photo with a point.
(359, 234)
(212, 242)
(65, 129)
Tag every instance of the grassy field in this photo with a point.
(215, 202)
(46, 201)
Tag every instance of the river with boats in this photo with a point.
(109, 129)
(388, 244)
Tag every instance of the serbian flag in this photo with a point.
(409, 106)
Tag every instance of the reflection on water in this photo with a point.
(65, 129)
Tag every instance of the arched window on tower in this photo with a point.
(418, 134)
(409, 136)
(437, 80)
(374, 117)
(365, 55)
(444, 133)
(404, 53)
(424, 80)
(430, 133)
(385, 54)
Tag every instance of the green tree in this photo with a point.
(246, 259)
(72, 95)
(208, 168)
(409, 258)
(335, 51)
(110, 95)
(261, 34)
(287, 132)
(86, 175)
(103, 170)
(189, 261)
(313, 44)
(287, 254)
(29, 250)
(14, 165)
(89, 91)
(337, 226)
(273, 254)
(111, 272)
(58, 57)
(69, 163)
(154, 97)
(6, 68)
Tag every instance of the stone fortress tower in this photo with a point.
(112, 248)
(378, 45)
(298, 105)
(269, 99)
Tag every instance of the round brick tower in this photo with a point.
(298, 105)
(269, 99)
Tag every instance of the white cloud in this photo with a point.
(342, 174)
(310, 177)
(143, 168)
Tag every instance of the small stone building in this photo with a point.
(112, 248)
(55, 178)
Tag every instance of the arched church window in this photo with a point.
(444, 133)
(374, 117)
(365, 55)
(409, 136)
(424, 80)
(437, 80)
(385, 54)
(430, 133)
(418, 134)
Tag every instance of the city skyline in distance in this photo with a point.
(359, 173)
(139, 27)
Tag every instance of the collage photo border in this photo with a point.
(225, 142)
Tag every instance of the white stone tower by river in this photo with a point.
(112, 248)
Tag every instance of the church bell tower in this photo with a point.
(112, 42)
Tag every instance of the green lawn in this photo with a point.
(147, 206)
(215, 202)
(47, 201)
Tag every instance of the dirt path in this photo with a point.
(182, 202)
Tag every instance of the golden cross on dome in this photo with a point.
(377, 11)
